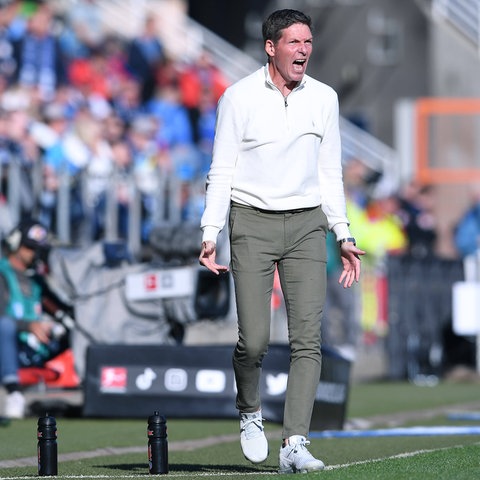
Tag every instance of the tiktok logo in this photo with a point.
(145, 380)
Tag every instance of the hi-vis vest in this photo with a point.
(20, 306)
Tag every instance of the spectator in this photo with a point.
(89, 75)
(7, 61)
(101, 73)
(206, 130)
(64, 162)
(21, 310)
(151, 163)
(83, 32)
(194, 80)
(51, 123)
(380, 228)
(123, 183)
(145, 55)
(48, 132)
(19, 12)
(356, 175)
(18, 150)
(97, 174)
(189, 162)
(415, 211)
(127, 101)
(467, 230)
(172, 115)
(114, 128)
(381, 231)
(40, 63)
(176, 134)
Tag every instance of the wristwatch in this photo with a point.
(344, 240)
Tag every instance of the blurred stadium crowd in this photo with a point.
(96, 126)
(88, 118)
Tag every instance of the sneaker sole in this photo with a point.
(255, 461)
(303, 470)
(281, 472)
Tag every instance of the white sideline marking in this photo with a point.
(399, 432)
(243, 473)
(392, 457)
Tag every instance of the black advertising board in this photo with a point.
(132, 381)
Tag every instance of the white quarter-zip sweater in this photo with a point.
(276, 153)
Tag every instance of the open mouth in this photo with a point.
(299, 64)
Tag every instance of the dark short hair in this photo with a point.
(280, 20)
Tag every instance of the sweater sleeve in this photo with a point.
(219, 179)
(331, 176)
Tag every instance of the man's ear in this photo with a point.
(270, 48)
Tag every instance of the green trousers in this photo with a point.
(293, 242)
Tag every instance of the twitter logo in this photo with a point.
(276, 384)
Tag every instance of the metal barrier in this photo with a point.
(419, 314)
(22, 192)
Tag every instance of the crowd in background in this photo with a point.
(85, 106)
(82, 105)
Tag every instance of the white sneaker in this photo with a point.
(15, 405)
(295, 458)
(252, 437)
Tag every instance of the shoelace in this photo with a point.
(300, 446)
(250, 431)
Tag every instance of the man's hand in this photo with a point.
(41, 330)
(349, 255)
(207, 258)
